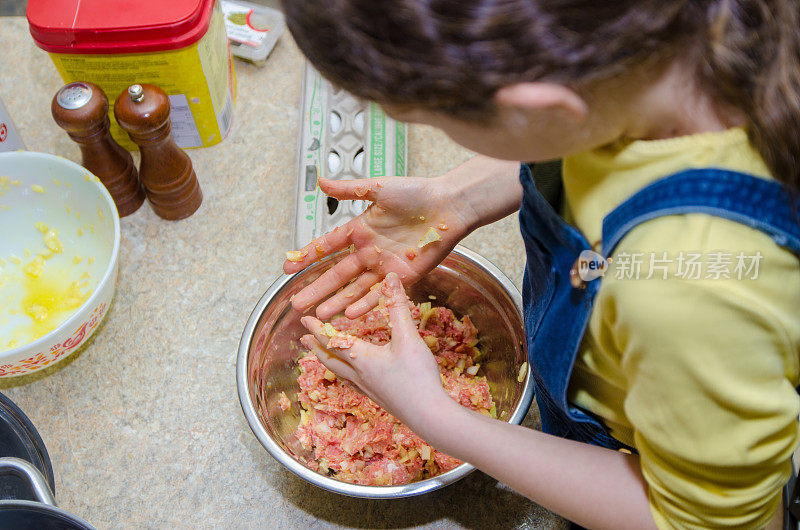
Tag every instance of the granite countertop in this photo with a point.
(143, 425)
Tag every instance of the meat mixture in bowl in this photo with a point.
(355, 440)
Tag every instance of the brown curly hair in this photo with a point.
(454, 55)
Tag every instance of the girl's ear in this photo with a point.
(543, 96)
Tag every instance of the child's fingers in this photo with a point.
(325, 245)
(316, 327)
(364, 305)
(343, 345)
(331, 280)
(334, 363)
(403, 326)
(351, 292)
(361, 189)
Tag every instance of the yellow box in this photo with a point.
(199, 79)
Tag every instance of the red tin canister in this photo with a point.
(178, 45)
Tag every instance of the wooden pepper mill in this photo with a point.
(81, 109)
(165, 171)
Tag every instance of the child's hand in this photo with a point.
(385, 239)
(402, 376)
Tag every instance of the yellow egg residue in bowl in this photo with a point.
(59, 243)
(42, 288)
(47, 278)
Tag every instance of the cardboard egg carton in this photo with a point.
(340, 137)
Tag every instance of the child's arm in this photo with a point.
(385, 238)
(594, 487)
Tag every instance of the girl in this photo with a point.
(666, 388)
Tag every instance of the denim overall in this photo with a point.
(556, 313)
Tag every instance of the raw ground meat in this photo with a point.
(354, 439)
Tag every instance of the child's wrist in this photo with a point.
(457, 191)
(482, 190)
(432, 415)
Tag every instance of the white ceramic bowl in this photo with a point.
(43, 188)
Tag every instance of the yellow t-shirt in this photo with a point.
(698, 374)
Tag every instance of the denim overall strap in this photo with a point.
(556, 315)
(756, 202)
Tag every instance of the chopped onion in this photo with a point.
(423, 321)
(432, 342)
(523, 370)
(430, 236)
(329, 330)
(296, 255)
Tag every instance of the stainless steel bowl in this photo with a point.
(266, 365)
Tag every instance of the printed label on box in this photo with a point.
(184, 129)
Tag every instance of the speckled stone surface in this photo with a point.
(143, 425)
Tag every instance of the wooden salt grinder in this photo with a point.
(165, 171)
(81, 109)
